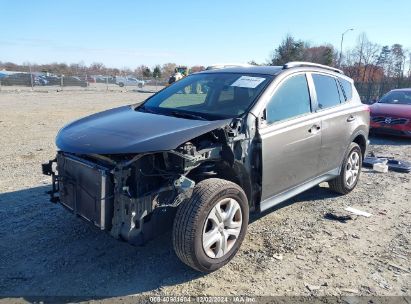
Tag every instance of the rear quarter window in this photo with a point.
(347, 87)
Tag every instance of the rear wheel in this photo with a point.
(210, 227)
(350, 171)
(121, 84)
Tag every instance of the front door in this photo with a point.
(290, 138)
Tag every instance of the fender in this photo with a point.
(358, 132)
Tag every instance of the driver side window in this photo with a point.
(291, 99)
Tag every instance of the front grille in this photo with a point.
(86, 189)
(389, 120)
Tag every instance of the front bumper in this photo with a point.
(396, 130)
(85, 188)
(390, 125)
(99, 195)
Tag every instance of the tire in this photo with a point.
(195, 220)
(140, 85)
(342, 184)
(121, 84)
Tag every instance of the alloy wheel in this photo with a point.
(352, 168)
(222, 228)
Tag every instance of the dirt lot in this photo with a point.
(291, 250)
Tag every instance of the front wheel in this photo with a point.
(210, 227)
(350, 171)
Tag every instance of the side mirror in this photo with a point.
(262, 120)
(264, 114)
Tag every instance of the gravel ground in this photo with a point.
(292, 250)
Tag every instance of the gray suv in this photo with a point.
(200, 155)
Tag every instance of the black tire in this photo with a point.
(191, 217)
(339, 184)
(140, 85)
(121, 84)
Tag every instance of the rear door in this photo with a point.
(290, 137)
(336, 119)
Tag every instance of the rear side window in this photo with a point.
(327, 91)
(347, 87)
(291, 99)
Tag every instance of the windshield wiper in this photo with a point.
(187, 115)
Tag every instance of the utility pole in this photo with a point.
(31, 77)
(341, 46)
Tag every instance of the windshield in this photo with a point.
(397, 97)
(208, 96)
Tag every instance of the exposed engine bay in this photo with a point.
(134, 196)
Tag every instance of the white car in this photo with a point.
(129, 81)
(218, 66)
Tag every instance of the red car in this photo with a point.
(392, 113)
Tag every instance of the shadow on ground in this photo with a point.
(46, 251)
(48, 254)
(384, 140)
(315, 193)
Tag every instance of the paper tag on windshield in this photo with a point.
(248, 82)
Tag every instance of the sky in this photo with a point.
(127, 33)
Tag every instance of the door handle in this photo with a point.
(314, 128)
(350, 118)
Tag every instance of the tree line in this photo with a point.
(375, 68)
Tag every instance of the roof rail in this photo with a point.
(293, 64)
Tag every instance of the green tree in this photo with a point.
(157, 72)
(398, 57)
(290, 49)
(147, 72)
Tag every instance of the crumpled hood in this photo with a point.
(124, 130)
(398, 110)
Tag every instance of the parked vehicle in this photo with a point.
(22, 79)
(391, 115)
(217, 66)
(129, 81)
(105, 79)
(199, 162)
(53, 80)
(88, 78)
(73, 81)
(42, 80)
(179, 73)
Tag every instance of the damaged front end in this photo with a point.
(134, 196)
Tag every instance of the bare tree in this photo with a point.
(323, 54)
(167, 69)
(197, 68)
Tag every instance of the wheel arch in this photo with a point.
(360, 138)
(237, 174)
